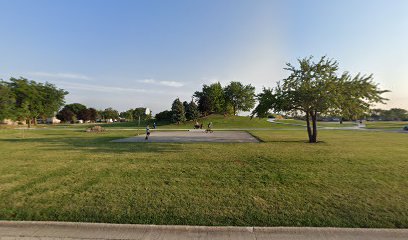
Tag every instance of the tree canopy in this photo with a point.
(76, 108)
(7, 102)
(240, 97)
(315, 88)
(110, 113)
(178, 112)
(32, 99)
(192, 111)
(211, 98)
(77, 111)
(393, 114)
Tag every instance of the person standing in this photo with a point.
(209, 127)
(147, 132)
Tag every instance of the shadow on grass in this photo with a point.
(303, 141)
(285, 141)
(100, 144)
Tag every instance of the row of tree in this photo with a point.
(135, 114)
(394, 114)
(26, 100)
(76, 111)
(212, 98)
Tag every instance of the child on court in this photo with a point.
(147, 132)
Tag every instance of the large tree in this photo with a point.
(141, 112)
(395, 114)
(192, 112)
(28, 99)
(52, 98)
(66, 115)
(315, 88)
(110, 113)
(76, 108)
(204, 103)
(128, 115)
(164, 116)
(178, 111)
(93, 114)
(7, 102)
(211, 98)
(240, 97)
(84, 114)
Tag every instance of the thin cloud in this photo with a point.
(60, 75)
(162, 83)
(99, 88)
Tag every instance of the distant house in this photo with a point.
(52, 120)
(8, 122)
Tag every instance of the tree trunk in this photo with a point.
(309, 130)
(29, 122)
(314, 121)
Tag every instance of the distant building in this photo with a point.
(53, 120)
(8, 122)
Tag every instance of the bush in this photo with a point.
(95, 129)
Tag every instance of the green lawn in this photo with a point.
(351, 179)
(387, 125)
(319, 124)
(219, 122)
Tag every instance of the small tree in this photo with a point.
(314, 88)
(178, 111)
(240, 97)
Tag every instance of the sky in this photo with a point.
(127, 54)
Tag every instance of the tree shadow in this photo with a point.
(100, 144)
(285, 141)
(292, 141)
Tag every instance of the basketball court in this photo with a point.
(193, 136)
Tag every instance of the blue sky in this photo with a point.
(126, 54)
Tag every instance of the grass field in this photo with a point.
(219, 122)
(319, 124)
(387, 125)
(228, 122)
(351, 179)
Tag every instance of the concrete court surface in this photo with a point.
(193, 136)
(10, 230)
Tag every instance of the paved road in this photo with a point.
(193, 136)
(68, 231)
